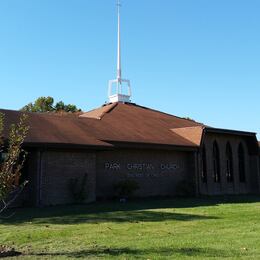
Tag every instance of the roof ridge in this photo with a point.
(108, 110)
(100, 114)
(195, 126)
(161, 112)
(193, 133)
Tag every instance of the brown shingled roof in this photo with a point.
(133, 123)
(115, 122)
(193, 133)
(99, 112)
(53, 129)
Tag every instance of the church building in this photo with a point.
(164, 154)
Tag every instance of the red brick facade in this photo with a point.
(251, 184)
(159, 172)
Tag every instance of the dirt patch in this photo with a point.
(6, 251)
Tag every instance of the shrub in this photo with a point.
(126, 188)
(185, 188)
(77, 188)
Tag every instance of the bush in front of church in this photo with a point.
(126, 188)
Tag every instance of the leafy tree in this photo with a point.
(60, 106)
(71, 108)
(41, 104)
(12, 162)
(46, 104)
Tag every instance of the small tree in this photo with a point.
(12, 163)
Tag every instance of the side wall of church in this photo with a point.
(157, 172)
(225, 186)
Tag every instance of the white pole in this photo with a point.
(119, 76)
(119, 96)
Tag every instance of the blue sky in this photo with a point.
(199, 59)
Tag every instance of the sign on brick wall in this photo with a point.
(142, 169)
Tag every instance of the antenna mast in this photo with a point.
(119, 96)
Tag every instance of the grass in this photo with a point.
(207, 228)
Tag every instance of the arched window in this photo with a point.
(204, 165)
(229, 163)
(216, 163)
(241, 163)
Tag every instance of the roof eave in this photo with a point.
(67, 146)
(228, 131)
(142, 145)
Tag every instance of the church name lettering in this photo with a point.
(140, 167)
(169, 166)
(112, 166)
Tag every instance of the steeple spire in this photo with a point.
(119, 95)
(118, 42)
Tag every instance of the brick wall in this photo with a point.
(158, 173)
(58, 168)
(225, 187)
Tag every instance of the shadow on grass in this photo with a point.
(113, 211)
(152, 252)
(116, 217)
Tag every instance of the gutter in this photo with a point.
(228, 131)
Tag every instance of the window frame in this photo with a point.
(216, 163)
(229, 163)
(204, 178)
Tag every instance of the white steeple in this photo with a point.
(119, 95)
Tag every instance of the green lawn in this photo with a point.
(145, 229)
